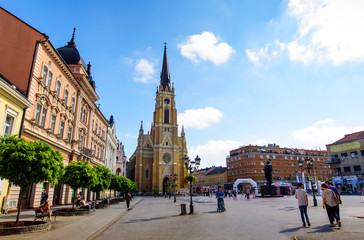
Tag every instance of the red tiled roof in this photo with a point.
(351, 137)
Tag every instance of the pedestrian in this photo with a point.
(331, 203)
(301, 196)
(253, 191)
(337, 194)
(247, 193)
(128, 199)
(44, 197)
(165, 194)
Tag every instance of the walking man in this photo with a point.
(128, 199)
(331, 203)
(301, 196)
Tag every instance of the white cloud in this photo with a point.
(322, 132)
(199, 118)
(144, 71)
(206, 46)
(328, 31)
(265, 54)
(214, 152)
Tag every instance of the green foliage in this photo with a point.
(134, 186)
(174, 185)
(190, 178)
(103, 179)
(156, 191)
(122, 184)
(24, 162)
(79, 174)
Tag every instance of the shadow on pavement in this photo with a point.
(149, 219)
(288, 208)
(288, 230)
(211, 212)
(321, 229)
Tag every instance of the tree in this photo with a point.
(23, 163)
(78, 175)
(122, 184)
(103, 179)
(190, 179)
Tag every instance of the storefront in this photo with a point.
(283, 188)
(352, 183)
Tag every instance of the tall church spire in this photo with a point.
(165, 77)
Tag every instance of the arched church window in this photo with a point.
(166, 115)
(147, 173)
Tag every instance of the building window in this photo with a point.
(166, 115)
(357, 168)
(69, 134)
(8, 125)
(37, 113)
(347, 169)
(65, 97)
(72, 104)
(43, 117)
(53, 122)
(44, 73)
(58, 88)
(61, 129)
(49, 79)
(354, 154)
(147, 173)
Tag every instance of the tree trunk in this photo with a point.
(110, 193)
(20, 204)
(74, 197)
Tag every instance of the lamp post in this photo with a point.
(191, 165)
(309, 166)
(172, 180)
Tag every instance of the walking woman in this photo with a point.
(331, 203)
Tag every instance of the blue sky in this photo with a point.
(245, 72)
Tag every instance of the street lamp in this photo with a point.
(192, 165)
(171, 181)
(309, 166)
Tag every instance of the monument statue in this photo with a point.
(268, 172)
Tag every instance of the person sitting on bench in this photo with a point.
(45, 207)
(83, 204)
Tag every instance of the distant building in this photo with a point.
(120, 160)
(111, 147)
(346, 158)
(249, 161)
(200, 174)
(217, 178)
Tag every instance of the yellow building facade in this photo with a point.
(160, 153)
(217, 177)
(12, 106)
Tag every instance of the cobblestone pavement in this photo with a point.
(158, 218)
(260, 218)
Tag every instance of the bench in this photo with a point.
(40, 215)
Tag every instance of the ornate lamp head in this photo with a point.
(197, 160)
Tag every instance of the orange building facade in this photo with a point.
(248, 162)
(63, 112)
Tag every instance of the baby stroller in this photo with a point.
(220, 204)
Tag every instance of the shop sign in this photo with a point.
(345, 147)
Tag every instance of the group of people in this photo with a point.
(330, 201)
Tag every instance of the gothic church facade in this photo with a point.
(160, 153)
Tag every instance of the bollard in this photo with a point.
(183, 209)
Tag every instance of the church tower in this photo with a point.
(160, 152)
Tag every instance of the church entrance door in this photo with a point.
(165, 185)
